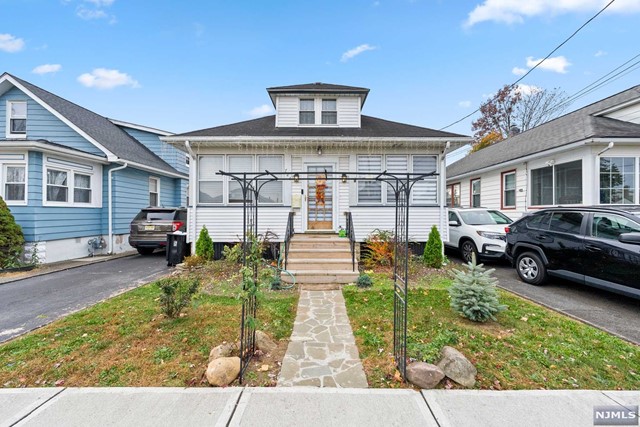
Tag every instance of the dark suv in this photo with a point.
(597, 246)
(149, 229)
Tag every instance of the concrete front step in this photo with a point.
(313, 253)
(327, 264)
(320, 276)
(319, 243)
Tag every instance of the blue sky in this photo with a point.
(182, 66)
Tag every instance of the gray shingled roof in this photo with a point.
(101, 129)
(371, 127)
(309, 88)
(572, 127)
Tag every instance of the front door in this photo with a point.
(319, 198)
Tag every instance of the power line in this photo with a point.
(539, 63)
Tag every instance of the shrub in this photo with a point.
(233, 253)
(193, 261)
(11, 238)
(176, 294)
(473, 293)
(378, 248)
(432, 255)
(204, 244)
(364, 281)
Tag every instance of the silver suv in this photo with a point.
(149, 229)
(477, 230)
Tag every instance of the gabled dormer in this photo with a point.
(318, 105)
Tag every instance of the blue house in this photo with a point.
(70, 175)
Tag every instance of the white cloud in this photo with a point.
(95, 9)
(102, 78)
(527, 89)
(89, 14)
(556, 64)
(10, 43)
(47, 68)
(519, 71)
(356, 51)
(262, 110)
(515, 11)
(600, 53)
(101, 3)
(464, 104)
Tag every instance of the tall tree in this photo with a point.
(517, 108)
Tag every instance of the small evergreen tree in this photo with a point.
(11, 238)
(432, 255)
(473, 293)
(204, 244)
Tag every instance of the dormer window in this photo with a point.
(307, 112)
(329, 112)
(17, 120)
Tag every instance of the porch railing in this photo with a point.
(351, 234)
(287, 237)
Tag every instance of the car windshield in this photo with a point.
(156, 215)
(485, 218)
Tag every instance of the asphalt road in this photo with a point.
(34, 302)
(610, 312)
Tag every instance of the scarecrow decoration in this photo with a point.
(321, 187)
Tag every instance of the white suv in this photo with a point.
(479, 231)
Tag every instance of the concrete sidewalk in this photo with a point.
(294, 406)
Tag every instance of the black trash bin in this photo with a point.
(176, 248)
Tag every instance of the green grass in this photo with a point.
(126, 341)
(529, 347)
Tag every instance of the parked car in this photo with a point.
(477, 230)
(597, 246)
(149, 229)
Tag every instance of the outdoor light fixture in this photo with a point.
(319, 151)
(296, 177)
(344, 178)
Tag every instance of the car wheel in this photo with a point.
(145, 251)
(531, 269)
(467, 249)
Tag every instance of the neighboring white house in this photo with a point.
(587, 157)
(316, 127)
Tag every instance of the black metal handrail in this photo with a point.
(287, 237)
(351, 234)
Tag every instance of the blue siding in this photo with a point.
(166, 152)
(41, 124)
(130, 194)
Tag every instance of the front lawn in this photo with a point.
(529, 347)
(125, 341)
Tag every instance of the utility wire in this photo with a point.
(538, 64)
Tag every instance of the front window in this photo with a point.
(209, 184)
(425, 192)
(370, 191)
(14, 183)
(81, 188)
(542, 186)
(154, 192)
(57, 186)
(239, 164)
(508, 189)
(329, 112)
(617, 180)
(568, 183)
(475, 193)
(270, 192)
(610, 226)
(453, 194)
(17, 118)
(307, 112)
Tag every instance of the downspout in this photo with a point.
(110, 197)
(193, 182)
(444, 223)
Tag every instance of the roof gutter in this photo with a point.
(152, 169)
(312, 140)
(110, 198)
(47, 148)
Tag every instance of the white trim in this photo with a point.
(48, 148)
(334, 162)
(158, 184)
(617, 107)
(140, 127)
(71, 168)
(9, 117)
(309, 141)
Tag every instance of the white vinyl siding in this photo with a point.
(287, 111)
(349, 112)
(627, 114)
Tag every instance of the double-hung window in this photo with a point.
(270, 192)
(154, 191)
(307, 112)
(57, 186)
(14, 183)
(17, 119)
(425, 192)
(617, 180)
(81, 188)
(453, 194)
(369, 192)
(239, 164)
(475, 193)
(395, 164)
(509, 190)
(329, 112)
(210, 185)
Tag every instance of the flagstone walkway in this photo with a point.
(322, 351)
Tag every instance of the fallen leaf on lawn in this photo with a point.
(264, 368)
(524, 319)
(59, 383)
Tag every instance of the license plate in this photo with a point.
(149, 227)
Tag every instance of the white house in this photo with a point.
(316, 127)
(587, 157)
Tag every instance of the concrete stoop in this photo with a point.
(320, 259)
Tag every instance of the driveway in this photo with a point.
(33, 302)
(610, 312)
